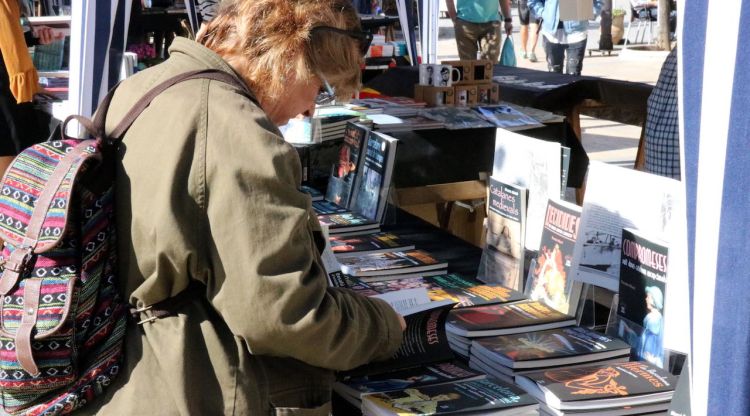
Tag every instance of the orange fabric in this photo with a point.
(24, 81)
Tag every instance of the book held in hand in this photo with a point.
(506, 318)
(595, 387)
(391, 263)
(485, 397)
(354, 245)
(424, 342)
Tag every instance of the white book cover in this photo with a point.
(618, 198)
(533, 164)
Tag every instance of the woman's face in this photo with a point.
(298, 97)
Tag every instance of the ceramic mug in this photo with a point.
(445, 75)
(426, 74)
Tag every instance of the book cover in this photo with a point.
(553, 347)
(550, 277)
(507, 117)
(430, 374)
(618, 198)
(643, 287)
(506, 318)
(468, 292)
(455, 118)
(347, 246)
(346, 170)
(410, 261)
(502, 256)
(324, 207)
(564, 169)
(349, 221)
(532, 164)
(371, 191)
(485, 396)
(600, 386)
(424, 342)
(315, 194)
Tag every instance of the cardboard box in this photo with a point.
(434, 96)
(488, 93)
(482, 71)
(465, 95)
(465, 68)
(576, 10)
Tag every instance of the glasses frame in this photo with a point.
(364, 37)
(327, 93)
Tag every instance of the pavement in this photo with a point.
(603, 140)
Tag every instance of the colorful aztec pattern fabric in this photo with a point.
(75, 346)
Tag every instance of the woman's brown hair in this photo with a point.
(269, 41)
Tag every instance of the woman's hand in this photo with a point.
(402, 322)
(46, 34)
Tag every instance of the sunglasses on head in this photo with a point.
(364, 38)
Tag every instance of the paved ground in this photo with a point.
(603, 140)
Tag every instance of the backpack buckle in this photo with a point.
(16, 264)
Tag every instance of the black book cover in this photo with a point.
(372, 187)
(347, 246)
(424, 342)
(643, 286)
(551, 347)
(346, 171)
(486, 395)
(625, 383)
(506, 318)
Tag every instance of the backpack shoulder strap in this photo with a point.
(145, 101)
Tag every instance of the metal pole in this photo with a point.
(664, 7)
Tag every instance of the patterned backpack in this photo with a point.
(62, 318)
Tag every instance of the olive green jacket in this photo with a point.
(207, 191)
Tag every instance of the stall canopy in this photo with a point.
(99, 31)
(715, 126)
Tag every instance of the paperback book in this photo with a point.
(507, 117)
(424, 342)
(484, 396)
(469, 292)
(345, 172)
(315, 194)
(553, 347)
(352, 389)
(596, 387)
(391, 263)
(324, 207)
(550, 274)
(347, 222)
(531, 164)
(643, 286)
(354, 245)
(506, 318)
(371, 190)
(502, 256)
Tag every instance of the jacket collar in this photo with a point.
(203, 56)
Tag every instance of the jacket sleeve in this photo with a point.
(536, 6)
(266, 277)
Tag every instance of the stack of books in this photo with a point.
(507, 356)
(629, 388)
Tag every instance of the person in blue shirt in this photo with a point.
(564, 42)
(477, 26)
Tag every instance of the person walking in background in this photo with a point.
(662, 140)
(18, 82)
(528, 29)
(477, 26)
(564, 42)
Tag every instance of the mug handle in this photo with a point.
(457, 71)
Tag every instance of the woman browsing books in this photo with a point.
(208, 198)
